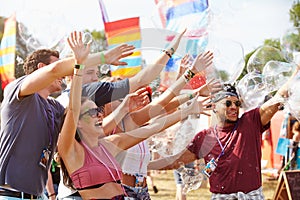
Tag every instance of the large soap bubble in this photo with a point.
(263, 55)
(276, 73)
(228, 58)
(45, 28)
(191, 178)
(252, 90)
(290, 40)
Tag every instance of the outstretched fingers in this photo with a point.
(80, 51)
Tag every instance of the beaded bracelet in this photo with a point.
(188, 75)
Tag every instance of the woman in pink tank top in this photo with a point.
(87, 154)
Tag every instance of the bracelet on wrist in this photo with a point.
(78, 66)
(53, 194)
(188, 75)
(168, 53)
(172, 50)
(102, 57)
(78, 75)
(190, 96)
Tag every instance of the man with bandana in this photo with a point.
(231, 147)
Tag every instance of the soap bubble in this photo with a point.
(263, 55)
(228, 58)
(252, 90)
(276, 73)
(290, 40)
(191, 178)
(293, 100)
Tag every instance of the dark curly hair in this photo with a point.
(228, 90)
(39, 56)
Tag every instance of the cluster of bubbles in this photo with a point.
(268, 69)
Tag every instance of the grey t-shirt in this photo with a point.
(100, 92)
(28, 125)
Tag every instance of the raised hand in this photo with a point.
(201, 106)
(184, 65)
(137, 100)
(209, 88)
(202, 61)
(114, 55)
(80, 50)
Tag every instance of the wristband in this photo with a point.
(188, 75)
(190, 96)
(173, 51)
(102, 58)
(77, 66)
(53, 194)
(166, 52)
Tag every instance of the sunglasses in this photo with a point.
(93, 112)
(228, 103)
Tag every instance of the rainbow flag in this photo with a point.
(7, 51)
(176, 15)
(125, 31)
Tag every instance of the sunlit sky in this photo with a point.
(248, 22)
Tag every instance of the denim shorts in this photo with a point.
(137, 192)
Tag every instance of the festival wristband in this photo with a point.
(102, 58)
(78, 66)
(188, 75)
(166, 52)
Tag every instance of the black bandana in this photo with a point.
(228, 90)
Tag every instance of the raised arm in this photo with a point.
(202, 61)
(46, 74)
(128, 139)
(111, 56)
(172, 162)
(149, 73)
(130, 102)
(66, 142)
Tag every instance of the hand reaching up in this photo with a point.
(80, 51)
(185, 63)
(202, 61)
(201, 106)
(114, 55)
(209, 88)
(136, 100)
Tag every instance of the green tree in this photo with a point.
(295, 14)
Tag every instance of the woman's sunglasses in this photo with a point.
(228, 103)
(93, 112)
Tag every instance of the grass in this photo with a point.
(167, 188)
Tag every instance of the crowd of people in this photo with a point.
(95, 132)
